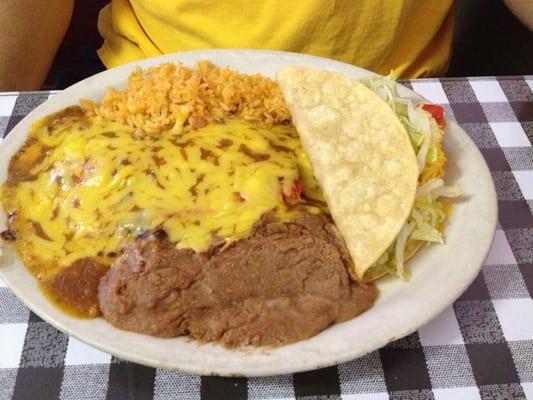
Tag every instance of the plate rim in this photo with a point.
(261, 371)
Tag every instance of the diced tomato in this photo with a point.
(437, 112)
(297, 187)
(295, 192)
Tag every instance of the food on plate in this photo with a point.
(185, 203)
(361, 156)
(283, 283)
(156, 99)
(433, 203)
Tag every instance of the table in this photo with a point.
(481, 347)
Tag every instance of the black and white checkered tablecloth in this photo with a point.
(479, 348)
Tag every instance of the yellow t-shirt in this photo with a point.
(411, 37)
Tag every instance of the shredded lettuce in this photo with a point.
(425, 229)
(384, 87)
(426, 188)
(422, 153)
(416, 136)
(432, 154)
(424, 224)
(399, 246)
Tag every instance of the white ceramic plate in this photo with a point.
(440, 273)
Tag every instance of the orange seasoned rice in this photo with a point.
(157, 97)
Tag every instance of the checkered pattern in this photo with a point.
(481, 347)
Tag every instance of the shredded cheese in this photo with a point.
(99, 184)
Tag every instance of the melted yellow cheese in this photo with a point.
(99, 184)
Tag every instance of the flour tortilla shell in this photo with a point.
(361, 156)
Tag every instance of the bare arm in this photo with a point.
(30, 34)
(523, 10)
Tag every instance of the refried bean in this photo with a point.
(284, 283)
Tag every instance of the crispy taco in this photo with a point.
(379, 161)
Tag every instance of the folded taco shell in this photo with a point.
(361, 155)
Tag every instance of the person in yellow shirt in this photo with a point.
(410, 37)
